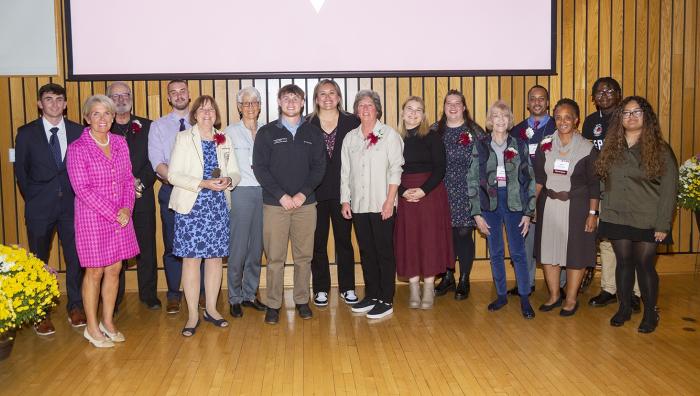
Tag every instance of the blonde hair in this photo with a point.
(93, 100)
(423, 128)
(499, 105)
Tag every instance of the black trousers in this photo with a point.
(147, 264)
(376, 239)
(328, 212)
(40, 234)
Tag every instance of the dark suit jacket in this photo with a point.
(40, 181)
(140, 165)
(330, 185)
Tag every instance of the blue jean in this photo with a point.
(243, 276)
(171, 263)
(516, 244)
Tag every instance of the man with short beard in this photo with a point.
(135, 130)
(161, 140)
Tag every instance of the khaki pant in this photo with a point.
(608, 263)
(279, 226)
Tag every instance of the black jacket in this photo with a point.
(286, 164)
(140, 165)
(330, 186)
(40, 181)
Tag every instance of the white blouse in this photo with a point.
(368, 170)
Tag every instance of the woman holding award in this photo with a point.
(203, 170)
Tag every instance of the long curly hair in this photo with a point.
(651, 141)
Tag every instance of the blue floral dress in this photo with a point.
(204, 232)
(459, 158)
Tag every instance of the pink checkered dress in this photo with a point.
(102, 187)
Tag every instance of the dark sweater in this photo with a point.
(288, 164)
(594, 128)
(140, 165)
(330, 185)
(424, 154)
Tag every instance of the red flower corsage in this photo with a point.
(509, 154)
(526, 134)
(546, 144)
(136, 126)
(465, 138)
(219, 138)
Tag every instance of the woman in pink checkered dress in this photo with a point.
(100, 173)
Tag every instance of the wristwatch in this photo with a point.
(594, 212)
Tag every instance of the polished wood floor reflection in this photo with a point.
(455, 348)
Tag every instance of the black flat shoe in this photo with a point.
(526, 309)
(566, 312)
(255, 304)
(216, 322)
(620, 318)
(272, 316)
(648, 326)
(236, 311)
(603, 299)
(547, 308)
(189, 331)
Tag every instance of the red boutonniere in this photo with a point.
(465, 138)
(509, 154)
(219, 138)
(373, 138)
(136, 126)
(546, 144)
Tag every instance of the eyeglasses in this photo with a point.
(636, 113)
(606, 92)
(249, 104)
(120, 96)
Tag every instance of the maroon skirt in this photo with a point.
(423, 232)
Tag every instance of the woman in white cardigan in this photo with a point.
(203, 169)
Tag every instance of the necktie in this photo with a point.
(537, 124)
(55, 147)
(182, 124)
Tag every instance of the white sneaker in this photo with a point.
(349, 297)
(321, 299)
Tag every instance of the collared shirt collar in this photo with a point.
(543, 121)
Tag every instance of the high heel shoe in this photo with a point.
(216, 322)
(189, 331)
(106, 343)
(114, 337)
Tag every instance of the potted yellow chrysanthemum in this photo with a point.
(28, 289)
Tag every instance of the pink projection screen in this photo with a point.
(139, 39)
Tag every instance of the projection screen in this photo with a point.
(139, 39)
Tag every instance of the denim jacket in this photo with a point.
(520, 179)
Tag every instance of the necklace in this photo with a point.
(97, 141)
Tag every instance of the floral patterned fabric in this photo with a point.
(204, 232)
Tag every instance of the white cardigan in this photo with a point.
(186, 169)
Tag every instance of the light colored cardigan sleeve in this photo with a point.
(179, 173)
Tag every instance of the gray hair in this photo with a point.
(499, 105)
(98, 99)
(366, 93)
(248, 91)
(122, 83)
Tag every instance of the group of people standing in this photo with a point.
(415, 197)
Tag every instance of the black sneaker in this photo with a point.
(380, 310)
(321, 299)
(236, 311)
(272, 316)
(602, 299)
(304, 311)
(365, 305)
(255, 304)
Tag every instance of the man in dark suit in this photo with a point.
(135, 130)
(40, 152)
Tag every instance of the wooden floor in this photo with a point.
(456, 348)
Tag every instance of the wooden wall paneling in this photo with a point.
(664, 98)
(640, 53)
(429, 92)
(567, 39)
(261, 86)
(518, 98)
(393, 106)
(7, 186)
(592, 56)
(505, 87)
(617, 39)
(580, 37)
(224, 101)
(628, 46)
(695, 109)
(604, 36)
(493, 91)
(378, 87)
(480, 100)
(653, 54)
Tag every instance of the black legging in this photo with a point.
(463, 242)
(639, 256)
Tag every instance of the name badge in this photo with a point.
(501, 173)
(532, 147)
(561, 167)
